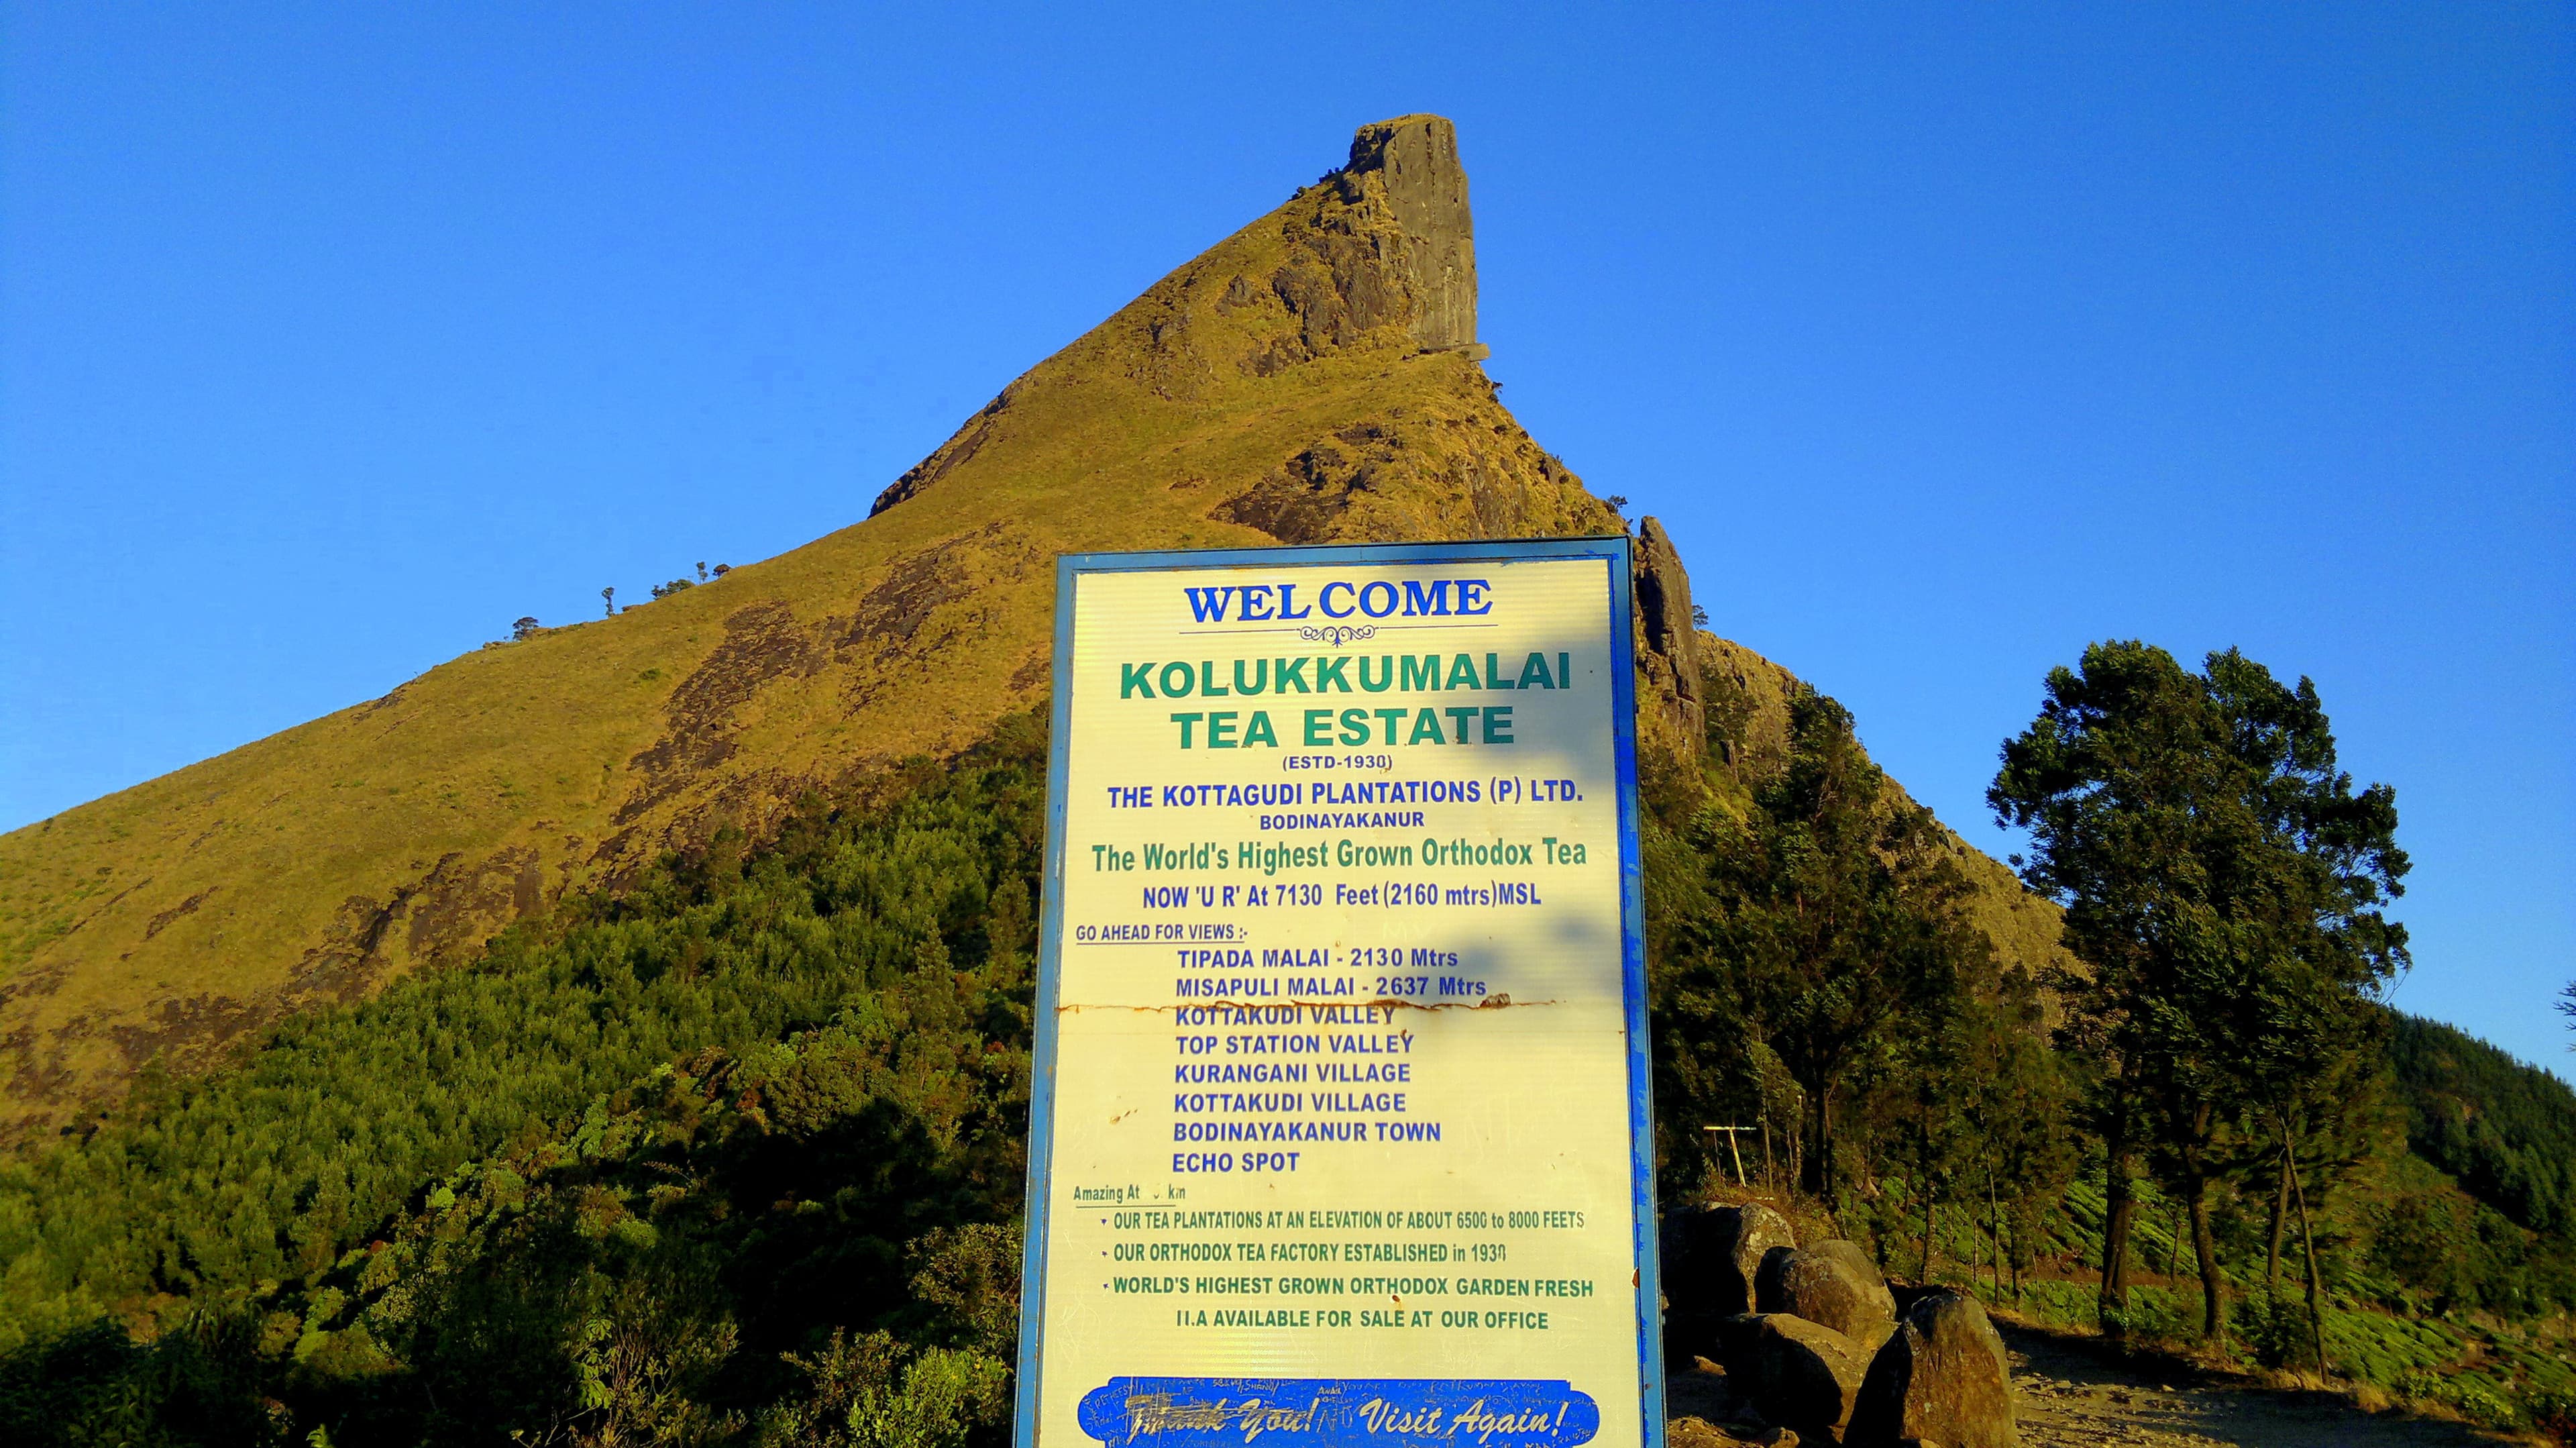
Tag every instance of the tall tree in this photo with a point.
(2223, 883)
(1831, 914)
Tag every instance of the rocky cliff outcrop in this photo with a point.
(1412, 162)
(1668, 642)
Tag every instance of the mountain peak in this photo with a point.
(1311, 378)
(1377, 257)
(1414, 161)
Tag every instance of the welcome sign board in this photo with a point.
(1340, 1130)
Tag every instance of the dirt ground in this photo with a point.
(2072, 1394)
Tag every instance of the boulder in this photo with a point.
(1710, 1255)
(1834, 1283)
(1703, 1391)
(1800, 1374)
(1733, 1339)
(1942, 1377)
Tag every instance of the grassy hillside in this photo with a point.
(2501, 1369)
(1273, 388)
(2506, 1130)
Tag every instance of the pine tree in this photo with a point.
(2223, 885)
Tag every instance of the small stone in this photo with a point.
(1700, 1433)
(1697, 1433)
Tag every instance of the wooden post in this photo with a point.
(1732, 1152)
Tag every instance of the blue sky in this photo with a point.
(1945, 340)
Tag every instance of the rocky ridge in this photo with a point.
(1311, 378)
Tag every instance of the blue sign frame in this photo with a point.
(1618, 553)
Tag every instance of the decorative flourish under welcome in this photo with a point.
(1337, 634)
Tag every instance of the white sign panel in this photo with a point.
(1340, 1131)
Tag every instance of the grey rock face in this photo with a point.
(1416, 159)
(1671, 637)
(1803, 1374)
(1942, 1378)
(1834, 1283)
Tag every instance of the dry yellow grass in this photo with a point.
(1271, 389)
